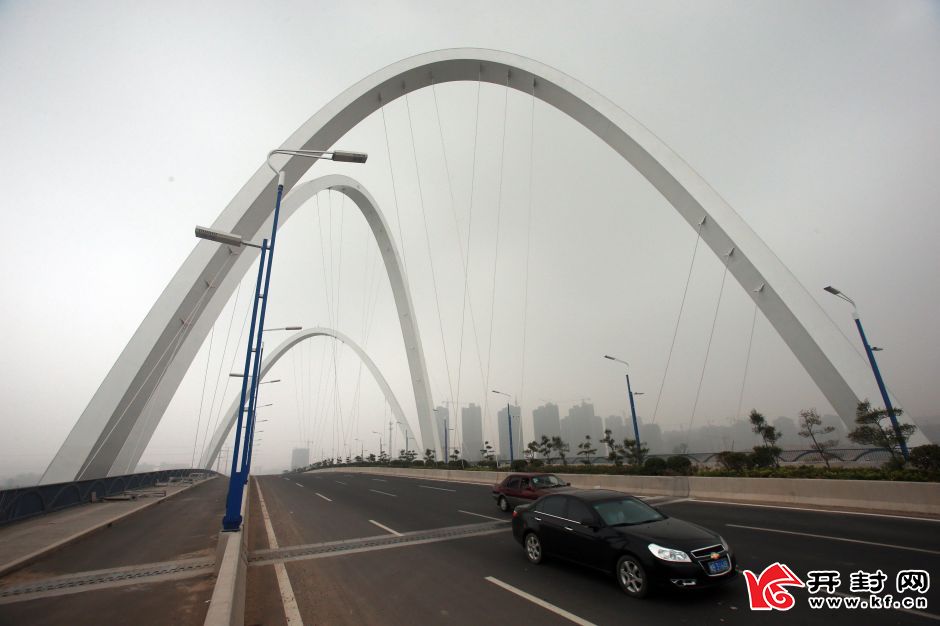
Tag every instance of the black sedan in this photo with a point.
(620, 534)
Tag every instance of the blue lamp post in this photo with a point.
(630, 394)
(241, 456)
(509, 419)
(870, 351)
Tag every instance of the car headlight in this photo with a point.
(724, 544)
(668, 554)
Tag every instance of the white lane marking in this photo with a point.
(542, 603)
(495, 519)
(339, 481)
(911, 611)
(380, 480)
(386, 528)
(298, 484)
(283, 581)
(323, 496)
(797, 508)
(437, 488)
(830, 538)
(384, 493)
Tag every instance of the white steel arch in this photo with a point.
(225, 426)
(144, 377)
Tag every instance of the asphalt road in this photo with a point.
(184, 527)
(484, 578)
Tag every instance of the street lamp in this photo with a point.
(870, 351)
(630, 394)
(406, 435)
(232, 520)
(268, 330)
(375, 432)
(509, 419)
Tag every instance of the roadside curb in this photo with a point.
(23, 561)
(227, 605)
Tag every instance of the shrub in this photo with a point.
(764, 456)
(681, 465)
(518, 465)
(733, 461)
(926, 458)
(536, 463)
(654, 465)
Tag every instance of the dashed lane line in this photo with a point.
(830, 538)
(323, 496)
(339, 481)
(437, 488)
(495, 519)
(384, 493)
(380, 480)
(540, 602)
(385, 528)
(298, 484)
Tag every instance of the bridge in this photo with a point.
(368, 545)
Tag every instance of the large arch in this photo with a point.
(154, 361)
(225, 426)
(143, 430)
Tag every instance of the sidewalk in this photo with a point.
(23, 542)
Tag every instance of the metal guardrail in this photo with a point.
(23, 502)
(866, 456)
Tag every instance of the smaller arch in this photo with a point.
(67, 496)
(225, 426)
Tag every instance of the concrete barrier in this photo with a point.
(227, 606)
(880, 496)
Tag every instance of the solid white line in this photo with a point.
(797, 508)
(380, 480)
(291, 612)
(496, 519)
(298, 484)
(542, 603)
(671, 501)
(384, 493)
(339, 481)
(868, 543)
(437, 488)
(386, 528)
(323, 496)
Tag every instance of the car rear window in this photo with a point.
(552, 505)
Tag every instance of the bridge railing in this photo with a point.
(23, 502)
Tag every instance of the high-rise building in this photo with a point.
(502, 421)
(617, 428)
(581, 421)
(299, 457)
(546, 421)
(471, 430)
(442, 415)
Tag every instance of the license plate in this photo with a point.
(719, 566)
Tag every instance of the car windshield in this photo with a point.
(626, 512)
(546, 482)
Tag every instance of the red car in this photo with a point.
(522, 488)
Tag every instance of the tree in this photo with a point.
(411, 455)
(358, 458)
(545, 449)
(586, 450)
(634, 456)
(455, 455)
(532, 449)
(487, 452)
(429, 456)
(371, 457)
(871, 432)
(561, 448)
(771, 451)
(613, 448)
(810, 427)
(383, 457)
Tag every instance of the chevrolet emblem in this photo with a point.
(714, 556)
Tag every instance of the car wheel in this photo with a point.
(503, 504)
(632, 577)
(533, 548)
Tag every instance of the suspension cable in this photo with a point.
(202, 397)
(528, 247)
(747, 361)
(675, 333)
(711, 334)
(218, 376)
(499, 206)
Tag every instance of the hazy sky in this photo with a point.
(123, 125)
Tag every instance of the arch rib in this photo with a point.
(225, 426)
(148, 372)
